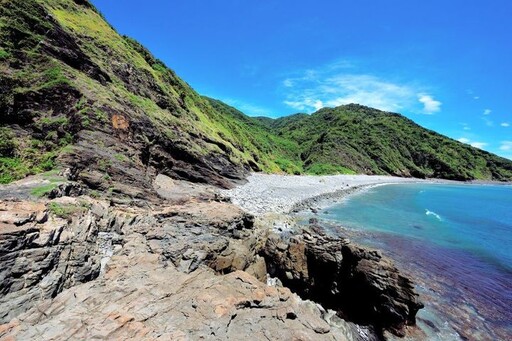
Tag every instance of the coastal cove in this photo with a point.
(454, 240)
(464, 283)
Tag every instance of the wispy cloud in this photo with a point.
(479, 145)
(466, 126)
(247, 108)
(430, 105)
(506, 146)
(505, 124)
(472, 94)
(487, 112)
(488, 121)
(337, 84)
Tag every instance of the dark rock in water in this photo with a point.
(418, 227)
(313, 221)
(430, 324)
(364, 286)
(314, 210)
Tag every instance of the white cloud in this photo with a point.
(487, 112)
(505, 124)
(331, 86)
(488, 122)
(476, 97)
(430, 105)
(288, 83)
(305, 104)
(247, 108)
(466, 126)
(506, 145)
(479, 145)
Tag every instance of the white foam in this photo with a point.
(427, 212)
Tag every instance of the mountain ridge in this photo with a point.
(76, 94)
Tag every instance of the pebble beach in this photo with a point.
(271, 193)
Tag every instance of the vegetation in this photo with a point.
(75, 91)
(354, 138)
(67, 211)
(43, 190)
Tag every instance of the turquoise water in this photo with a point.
(455, 239)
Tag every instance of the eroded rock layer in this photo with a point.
(186, 266)
(361, 284)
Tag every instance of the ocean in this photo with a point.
(455, 241)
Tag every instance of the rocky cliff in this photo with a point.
(75, 94)
(184, 265)
(123, 233)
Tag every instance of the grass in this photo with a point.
(4, 54)
(43, 190)
(12, 169)
(66, 211)
(121, 157)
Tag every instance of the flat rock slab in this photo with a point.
(139, 298)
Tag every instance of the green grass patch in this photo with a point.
(12, 169)
(66, 211)
(121, 157)
(4, 54)
(43, 190)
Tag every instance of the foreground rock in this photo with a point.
(141, 298)
(359, 283)
(86, 268)
(186, 266)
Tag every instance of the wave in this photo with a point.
(427, 212)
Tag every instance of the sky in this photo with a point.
(447, 65)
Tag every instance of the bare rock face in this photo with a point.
(172, 272)
(42, 255)
(45, 248)
(140, 298)
(186, 266)
(360, 284)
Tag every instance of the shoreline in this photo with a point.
(283, 205)
(290, 194)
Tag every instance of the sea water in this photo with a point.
(454, 240)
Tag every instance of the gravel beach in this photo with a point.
(270, 193)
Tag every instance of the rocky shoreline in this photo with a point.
(75, 265)
(270, 193)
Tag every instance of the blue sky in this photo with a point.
(445, 64)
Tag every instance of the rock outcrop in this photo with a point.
(188, 265)
(87, 268)
(361, 284)
(141, 298)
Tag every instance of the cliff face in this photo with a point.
(75, 94)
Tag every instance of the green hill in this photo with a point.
(75, 94)
(354, 138)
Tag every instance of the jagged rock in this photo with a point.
(73, 263)
(359, 283)
(134, 300)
